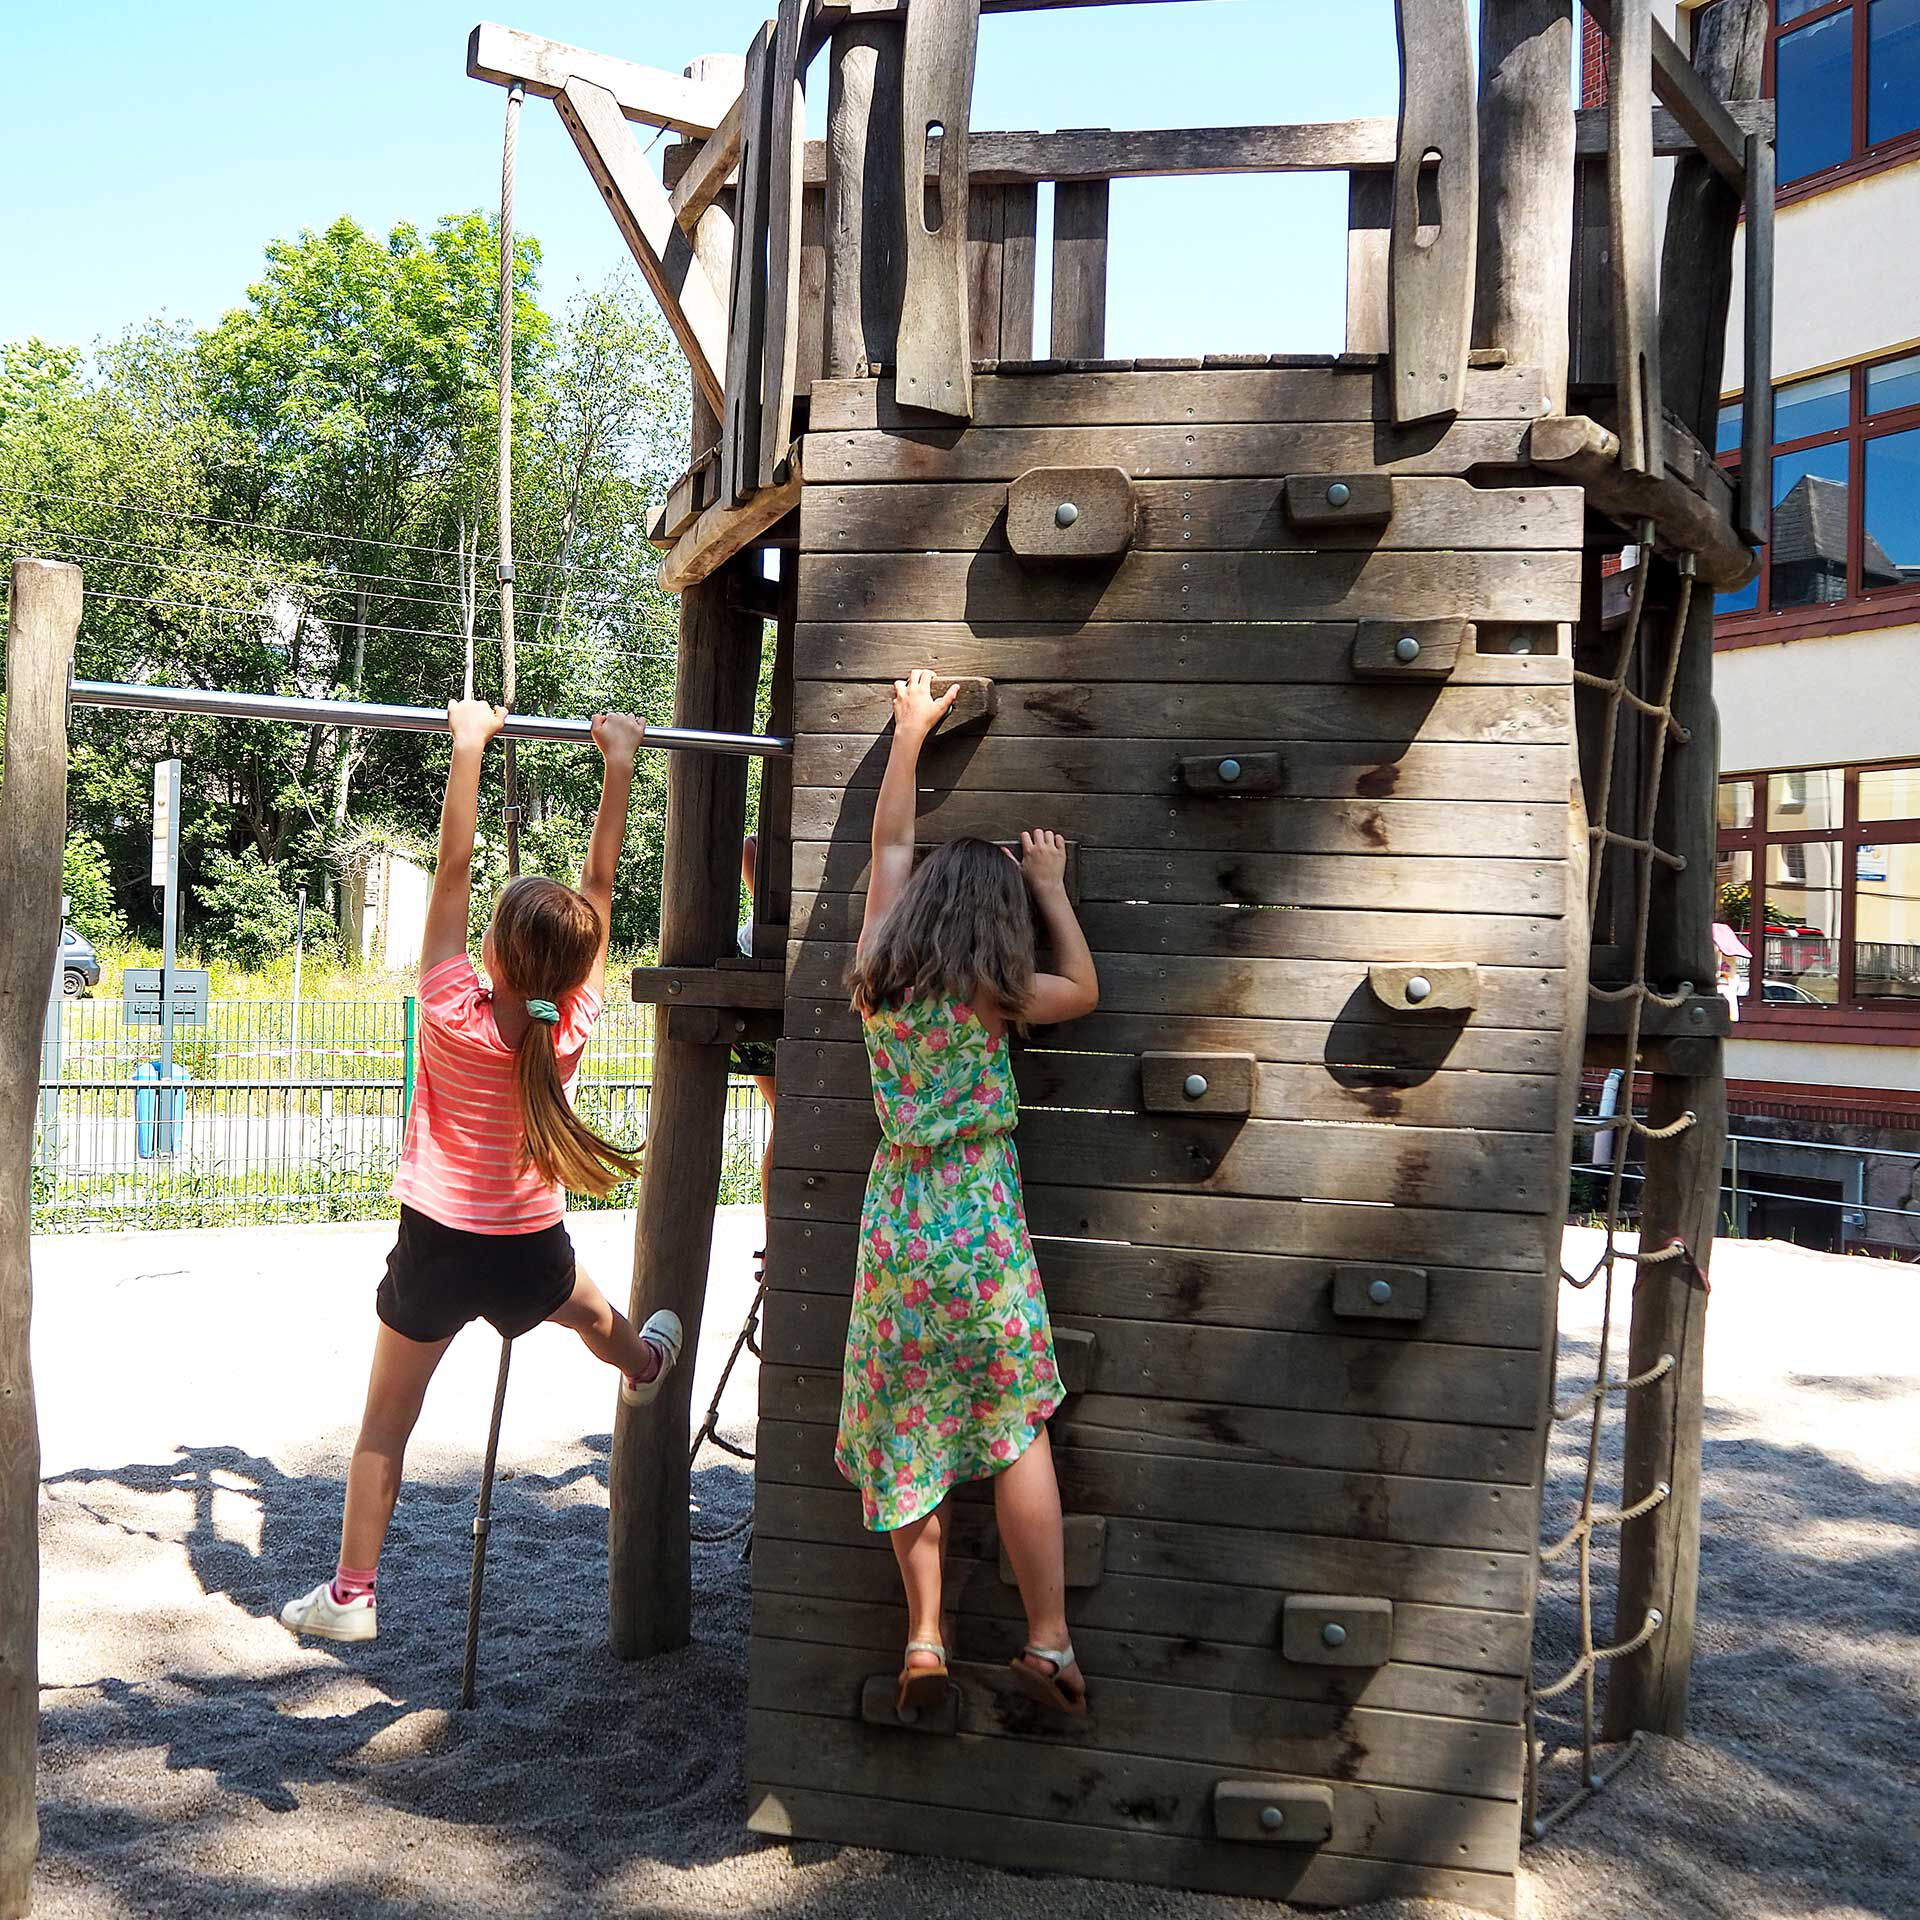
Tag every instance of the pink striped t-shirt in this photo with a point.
(463, 1163)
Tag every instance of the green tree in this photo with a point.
(87, 881)
(247, 915)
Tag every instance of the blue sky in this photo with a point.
(161, 146)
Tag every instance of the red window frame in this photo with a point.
(1862, 158)
(1852, 833)
(1764, 622)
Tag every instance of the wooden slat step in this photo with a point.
(750, 988)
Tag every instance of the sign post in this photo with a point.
(166, 873)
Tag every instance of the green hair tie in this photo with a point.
(544, 1010)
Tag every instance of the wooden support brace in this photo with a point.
(644, 216)
(707, 176)
(724, 530)
(732, 988)
(1336, 1630)
(686, 500)
(718, 1026)
(508, 58)
(1708, 124)
(1753, 515)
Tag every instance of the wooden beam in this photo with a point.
(1754, 514)
(858, 166)
(1708, 125)
(724, 530)
(506, 57)
(747, 291)
(786, 144)
(1081, 210)
(996, 159)
(1631, 232)
(45, 616)
(642, 212)
(706, 178)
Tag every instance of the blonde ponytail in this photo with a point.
(561, 1147)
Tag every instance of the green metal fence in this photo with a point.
(285, 1113)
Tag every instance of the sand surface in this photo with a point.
(199, 1391)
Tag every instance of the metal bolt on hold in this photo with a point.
(1334, 1634)
(1519, 644)
(1418, 988)
(1065, 514)
(1272, 1819)
(1380, 1292)
(1406, 648)
(1196, 1085)
(1229, 769)
(1339, 494)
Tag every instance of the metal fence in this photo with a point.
(285, 1112)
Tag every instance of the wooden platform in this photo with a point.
(1248, 1428)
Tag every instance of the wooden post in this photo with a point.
(45, 615)
(1080, 215)
(1526, 186)
(649, 1566)
(866, 202)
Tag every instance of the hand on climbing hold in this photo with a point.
(473, 722)
(618, 736)
(915, 709)
(1044, 857)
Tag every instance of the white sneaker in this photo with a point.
(321, 1615)
(664, 1333)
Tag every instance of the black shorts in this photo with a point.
(439, 1278)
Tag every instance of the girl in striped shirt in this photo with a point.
(492, 1145)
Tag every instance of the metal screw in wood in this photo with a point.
(1229, 770)
(1196, 1085)
(1334, 1634)
(1418, 988)
(1406, 649)
(1065, 514)
(1339, 494)
(1272, 1819)
(1380, 1292)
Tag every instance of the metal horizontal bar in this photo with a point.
(302, 712)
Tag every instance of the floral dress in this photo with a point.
(950, 1369)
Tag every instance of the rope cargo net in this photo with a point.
(1563, 1736)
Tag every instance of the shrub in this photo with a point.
(247, 915)
(87, 881)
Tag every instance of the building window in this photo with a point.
(1819, 876)
(1845, 76)
(1846, 490)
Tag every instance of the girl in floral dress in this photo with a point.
(950, 1370)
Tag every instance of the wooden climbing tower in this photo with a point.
(1371, 691)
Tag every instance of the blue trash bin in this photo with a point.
(157, 1114)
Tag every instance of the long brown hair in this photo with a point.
(545, 937)
(962, 925)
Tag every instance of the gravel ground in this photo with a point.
(198, 1392)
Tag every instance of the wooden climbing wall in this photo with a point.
(1310, 1309)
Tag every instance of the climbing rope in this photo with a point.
(1607, 843)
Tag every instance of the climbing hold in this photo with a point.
(1339, 494)
(1406, 648)
(1065, 514)
(1196, 1085)
(1380, 1292)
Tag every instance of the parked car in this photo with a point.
(1772, 990)
(79, 964)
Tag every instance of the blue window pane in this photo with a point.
(1788, 11)
(1893, 69)
(1742, 602)
(1726, 437)
(1896, 384)
(1808, 562)
(1811, 406)
(1890, 553)
(1813, 85)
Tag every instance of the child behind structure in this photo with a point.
(950, 1372)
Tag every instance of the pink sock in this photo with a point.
(350, 1583)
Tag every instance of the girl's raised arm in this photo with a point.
(1073, 988)
(473, 723)
(618, 736)
(915, 715)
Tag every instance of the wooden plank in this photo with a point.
(1019, 241)
(1178, 1550)
(709, 173)
(1339, 1442)
(724, 530)
(742, 988)
(1362, 147)
(1407, 1096)
(1631, 225)
(1112, 1790)
(1705, 119)
(1080, 219)
(1167, 586)
(786, 142)
(1369, 227)
(1216, 395)
(1146, 453)
(864, 206)
(740, 423)
(507, 58)
(1169, 1659)
(687, 499)
(44, 607)
(934, 361)
(1200, 517)
(1482, 1643)
(1753, 515)
(985, 211)
(1366, 1744)
(813, 290)
(665, 256)
(1318, 1877)
(1526, 186)
(1214, 1492)
(1328, 1229)
(1433, 250)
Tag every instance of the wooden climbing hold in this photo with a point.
(1339, 499)
(1071, 513)
(878, 1695)
(1422, 989)
(1336, 1630)
(1197, 1082)
(1232, 773)
(1273, 1812)
(978, 703)
(1380, 1293)
(1408, 649)
(1073, 1355)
